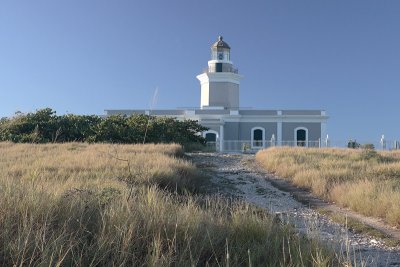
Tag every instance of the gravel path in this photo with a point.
(233, 176)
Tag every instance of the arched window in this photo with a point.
(210, 136)
(257, 137)
(301, 136)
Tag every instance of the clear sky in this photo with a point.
(86, 56)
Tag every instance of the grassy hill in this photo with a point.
(76, 204)
(362, 179)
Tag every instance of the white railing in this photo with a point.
(378, 145)
(255, 145)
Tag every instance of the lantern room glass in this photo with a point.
(220, 54)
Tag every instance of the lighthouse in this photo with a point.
(220, 81)
(234, 129)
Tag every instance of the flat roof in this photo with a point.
(243, 112)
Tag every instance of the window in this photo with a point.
(257, 137)
(218, 67)
(211, 137)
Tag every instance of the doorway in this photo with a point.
(301, 137)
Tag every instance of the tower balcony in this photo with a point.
(213, 69)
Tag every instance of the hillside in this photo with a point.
(76, 204)
(363, 180)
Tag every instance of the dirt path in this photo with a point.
(313, 202)
(237, 176)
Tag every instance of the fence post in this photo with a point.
(327, 141)
(383, 142)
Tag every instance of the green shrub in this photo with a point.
(353, 144)
(368, 146)
(368, 152)
(44, 126)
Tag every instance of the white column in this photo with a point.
(221, 138)
(323, 133)
(279, 134)
(279, 129)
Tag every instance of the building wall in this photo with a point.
(231, 131)
(160, 112)
(258, 112)
(314, 130)
(224, 94)
(240, 130)
(245, 129)
(212, 112)
(301, 112)
(205, 95)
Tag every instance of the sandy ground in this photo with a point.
(234, 175)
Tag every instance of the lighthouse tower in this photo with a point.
(220, 81)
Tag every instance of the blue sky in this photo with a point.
(86, 56)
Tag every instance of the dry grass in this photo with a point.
(363, 180)
(129, 205)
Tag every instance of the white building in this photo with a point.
(234, 129)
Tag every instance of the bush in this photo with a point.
(44, 126)
(368, 146)
(368, 152)
(353, 144)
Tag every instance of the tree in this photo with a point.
(45, 126)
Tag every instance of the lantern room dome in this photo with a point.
(220, 44)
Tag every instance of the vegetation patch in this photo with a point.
(356, 226)
(45, 126)
(78, 204)
(364, 180)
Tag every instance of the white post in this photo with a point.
(327, 141)
(383, 142)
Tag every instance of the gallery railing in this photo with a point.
(224, 69)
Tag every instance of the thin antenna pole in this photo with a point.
(152, 104)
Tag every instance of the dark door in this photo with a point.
(301, 137)
(258, 138)
(218, 67)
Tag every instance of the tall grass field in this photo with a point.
(364, 180)
(77, 204)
